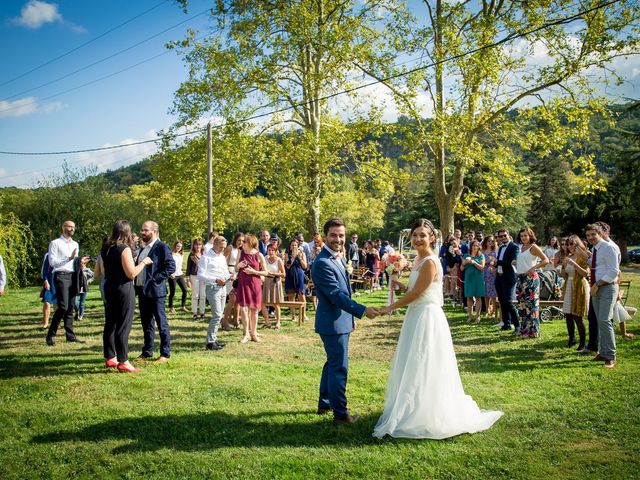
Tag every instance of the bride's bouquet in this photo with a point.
(393, 264)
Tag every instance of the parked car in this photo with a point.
(634, 255)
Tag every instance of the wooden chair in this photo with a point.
(292, 306)
(624, 288)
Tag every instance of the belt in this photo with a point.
(63, 272)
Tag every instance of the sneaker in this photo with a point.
(214, 346)
(500, 324)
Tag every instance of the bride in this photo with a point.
(424, 397)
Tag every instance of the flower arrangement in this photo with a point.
(393, 264)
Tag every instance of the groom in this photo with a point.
(334, 321)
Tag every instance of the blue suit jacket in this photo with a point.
(156, 274)
(336, 310)
(511, 254)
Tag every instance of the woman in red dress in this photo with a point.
(251, 265)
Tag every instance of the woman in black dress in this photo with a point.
(119, 272)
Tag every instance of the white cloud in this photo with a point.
(52, 107)
(36, 13)
(27, 106)
(18, 108)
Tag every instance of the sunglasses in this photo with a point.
(501, 236)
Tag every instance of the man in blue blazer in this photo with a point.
(335, 321)
(506, 280)
(151, 289)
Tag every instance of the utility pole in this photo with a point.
(209, 180)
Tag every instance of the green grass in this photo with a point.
(248, 411)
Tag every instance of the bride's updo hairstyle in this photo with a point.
(423, 222)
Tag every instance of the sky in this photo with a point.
(51, 50)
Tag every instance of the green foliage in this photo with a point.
(15, 246)
(177, 198)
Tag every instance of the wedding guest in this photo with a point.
(272, 286)
(561, 254)
(264, 242)
(529, 260)
(592, 345)
(213, 271)
(371, 261)
(63, 253)
(575, 272)
(250, 267)
(295, 262)
(473, 266)
(442, 255)
(353, 252)
(83, 289)
(550, 250)
(48, 290)
(453, 258)
(119, 272)
(318, 243)
(604, 292)
(177, 278)
(151, 289)
(232, 310)
(506, 280)
(209, 245)
(198, 295)
(489, 250)
(304, 245)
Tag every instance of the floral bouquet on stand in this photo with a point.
(393, 264)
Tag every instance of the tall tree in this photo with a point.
(474, 85)
(288, 56)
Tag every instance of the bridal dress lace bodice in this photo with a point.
(425, 397)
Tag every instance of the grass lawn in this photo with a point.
(248, 411)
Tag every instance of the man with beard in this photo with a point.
(151, 289)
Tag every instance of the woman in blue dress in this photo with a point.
(473, 266)
(48, 291)
(295, 263)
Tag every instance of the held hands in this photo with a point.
(147, 261)
(372, 312)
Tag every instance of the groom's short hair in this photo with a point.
(332, 222)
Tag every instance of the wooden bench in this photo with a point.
(292, 306)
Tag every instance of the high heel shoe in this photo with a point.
(127, 369)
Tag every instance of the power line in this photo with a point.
(99, 79)
(107, 57)
(48, 62)
(506, 39)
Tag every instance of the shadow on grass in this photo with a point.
(218, 429)
(16, 367)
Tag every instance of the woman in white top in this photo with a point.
(530, 259)
(232, 311)
(272, 287)
(177, 278)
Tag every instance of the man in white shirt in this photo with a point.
(62, 255)
(214, 272)
(3, 276)
(604, 291)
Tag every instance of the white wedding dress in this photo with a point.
(424, 397)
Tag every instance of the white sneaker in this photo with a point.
(500, 324)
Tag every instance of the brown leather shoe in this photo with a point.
(161, 360)
(348, 420)
(610, 363)
(323, 411)
(599, 358)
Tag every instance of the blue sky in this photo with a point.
(127, 107)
